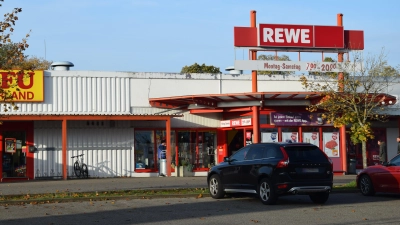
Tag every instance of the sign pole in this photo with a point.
(342, 129)
(255, 109)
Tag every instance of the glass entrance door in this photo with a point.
(187, 148)
(14, 154)
(207, 142)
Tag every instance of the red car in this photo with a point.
(380, 178)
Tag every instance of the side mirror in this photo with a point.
(226, 159)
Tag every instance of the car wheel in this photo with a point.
(366, 186)
(215, 187)
(266, 192)
(319, 198)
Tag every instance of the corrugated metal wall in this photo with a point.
(108, 150)
(81, 95)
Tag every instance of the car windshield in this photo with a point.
(305, 154)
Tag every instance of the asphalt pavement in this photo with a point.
(115, 184)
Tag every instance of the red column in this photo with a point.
(168, 152)
(1, 154)
(256, 124)
(253, 53)
(29, 155)
(300, 134)
(255, 109)
(342, 130)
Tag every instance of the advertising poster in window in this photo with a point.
(10, 145)
(249, 138)
(331, 144)
(290, 137)
(311, 137)
(269, 137)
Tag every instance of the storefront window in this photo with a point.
(269, 135)
(144, 150)
(14, 154)
(311, 135)
(290, 134)
(264, 119)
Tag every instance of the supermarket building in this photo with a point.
(117, 120)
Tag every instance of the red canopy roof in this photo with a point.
(234, 100)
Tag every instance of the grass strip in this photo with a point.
(125, 194)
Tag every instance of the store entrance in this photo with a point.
(14, 154)
(235, 140)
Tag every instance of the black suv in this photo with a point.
(273, 169)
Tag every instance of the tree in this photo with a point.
(12, 53)
(34, 63)
(196, 68)
(356, 100)
(272, 58)
(24, 63)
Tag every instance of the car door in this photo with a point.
(230, 173)
(250, 166)
(391, 178)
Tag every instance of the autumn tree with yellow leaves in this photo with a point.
(12, 58)
(356, 100)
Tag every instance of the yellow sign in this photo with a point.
(24, 87)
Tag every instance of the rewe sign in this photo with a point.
(299, 37)
(281, 35)
(304, 36)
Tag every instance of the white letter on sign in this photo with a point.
(293, 34)
(279, 35)
(305, 36)
(268, 32)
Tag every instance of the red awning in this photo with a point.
(218, 102)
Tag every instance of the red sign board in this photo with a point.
(302, 36)
(298, 36)
(329, 37)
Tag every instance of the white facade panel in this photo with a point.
(197, 120)
(163, 87)
(108, 152)
(186, 121)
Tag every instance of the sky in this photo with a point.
(166, 35)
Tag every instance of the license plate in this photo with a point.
(310, 170)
